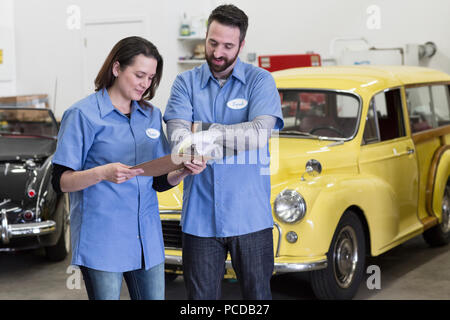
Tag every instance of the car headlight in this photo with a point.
(290, 206)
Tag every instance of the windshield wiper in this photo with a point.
(307, 134)
(10, 132)
(15, 133)
(300, 133)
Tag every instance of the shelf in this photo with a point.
(191, 38)
(191, 61)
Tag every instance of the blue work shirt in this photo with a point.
(114, 227)
(230, 197)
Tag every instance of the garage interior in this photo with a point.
(50, 52)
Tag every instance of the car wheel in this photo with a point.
(346, 261)
(60, 251)
(170, 277)
(439, 235)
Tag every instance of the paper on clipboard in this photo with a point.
(197, 146)
(166, 164)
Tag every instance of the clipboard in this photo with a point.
(171, 162)
(166, 164)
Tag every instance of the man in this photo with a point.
(227, 207)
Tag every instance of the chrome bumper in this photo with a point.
(8, 231)
(279, 267)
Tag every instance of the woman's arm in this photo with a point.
(72, 181)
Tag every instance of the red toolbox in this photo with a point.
(286, 61)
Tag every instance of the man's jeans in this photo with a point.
(252, 260)
(142, 284)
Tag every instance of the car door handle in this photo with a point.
(407, 152)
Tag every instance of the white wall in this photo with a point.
(47, 51)
(7, 68)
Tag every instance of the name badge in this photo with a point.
(237, 104)
(152, 133)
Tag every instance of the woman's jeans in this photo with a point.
(142, 284)
(251, 257)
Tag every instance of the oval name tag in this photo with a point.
(152, 133)
(237, 104)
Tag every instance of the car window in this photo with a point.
(370, 130)
(323, 114)
(441, 106)
(33, 122)
(388, 123)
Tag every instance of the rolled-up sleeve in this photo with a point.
(179, 105)
(265, 100)
(163, 147)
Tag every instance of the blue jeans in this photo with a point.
(142, 284)
(251, 257)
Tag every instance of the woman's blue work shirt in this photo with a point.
(114, 227)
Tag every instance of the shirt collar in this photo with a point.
(104, 103)
(137, 106)
(238, 73)
(106, 107)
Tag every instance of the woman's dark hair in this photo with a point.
(125, 52)
(230, 15)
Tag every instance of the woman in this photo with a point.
(115, 225)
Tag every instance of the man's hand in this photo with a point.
(190, 168)
(195, 167)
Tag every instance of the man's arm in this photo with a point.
(177, 130)
(239, 137)
(246, 135)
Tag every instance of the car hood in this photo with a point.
(20, 148)
(288, 160)
(290, 155)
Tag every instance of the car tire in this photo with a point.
(346, 261)
(439, 235)
(170, 277)
(61, 249)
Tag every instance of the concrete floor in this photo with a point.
(410, 271)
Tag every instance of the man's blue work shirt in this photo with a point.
(114, 227)
(230, 198)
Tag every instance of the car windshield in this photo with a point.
(27, 122)
(319, 114)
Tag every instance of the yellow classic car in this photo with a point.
(361, 166)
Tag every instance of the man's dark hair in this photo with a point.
(230, 15)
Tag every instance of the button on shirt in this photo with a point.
(114, 227)
(230, 197)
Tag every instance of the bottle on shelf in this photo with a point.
(185, 27)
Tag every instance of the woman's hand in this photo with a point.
(118, 172)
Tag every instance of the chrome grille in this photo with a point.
(172, 234)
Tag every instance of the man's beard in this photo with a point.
(226, 65)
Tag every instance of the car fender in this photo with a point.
(438, 176)
(327, 198)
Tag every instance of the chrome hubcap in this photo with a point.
(345, 257)
(445, 225)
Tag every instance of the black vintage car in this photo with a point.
(32, 214)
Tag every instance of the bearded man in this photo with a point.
(226, 208)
